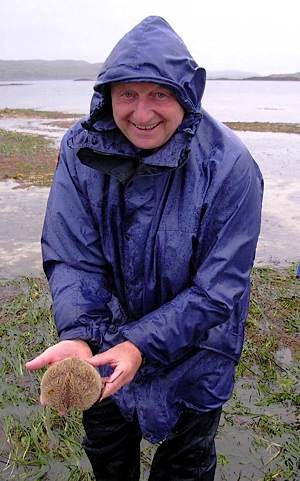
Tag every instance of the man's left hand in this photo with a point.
(125, 358)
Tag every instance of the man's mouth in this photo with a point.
(146, 127)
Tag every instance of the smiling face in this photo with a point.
(146, 113)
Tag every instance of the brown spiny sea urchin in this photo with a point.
(71, 384)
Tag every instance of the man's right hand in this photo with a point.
(61, 350)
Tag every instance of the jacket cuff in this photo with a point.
(136, 334)
(92, 337)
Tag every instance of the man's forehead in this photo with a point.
(138, 86)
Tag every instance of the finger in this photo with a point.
(42, 401)
(111, 387)
(38, 362)
(104, 394)
(115, 375)
(99, 359)
(108, 390)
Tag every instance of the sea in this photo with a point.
(226, 100)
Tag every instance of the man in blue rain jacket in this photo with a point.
(148, 244)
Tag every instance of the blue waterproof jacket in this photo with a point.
(155, 246)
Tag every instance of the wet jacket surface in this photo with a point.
(155, 246)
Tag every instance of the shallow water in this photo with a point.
(226, 100)
(278, 156)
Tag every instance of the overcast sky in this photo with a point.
(251, 35)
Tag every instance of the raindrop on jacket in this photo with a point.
(155, 246)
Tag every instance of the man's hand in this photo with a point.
(58, 352)
(61, 350)
(125, 358)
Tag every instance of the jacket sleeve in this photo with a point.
(72, 257)
(227, 237)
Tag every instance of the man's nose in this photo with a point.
(142, 112)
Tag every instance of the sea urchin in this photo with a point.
(71, 384)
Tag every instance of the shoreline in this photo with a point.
(29, 141)
(65, 120)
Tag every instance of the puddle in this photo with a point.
(245, 454)
(284, 357)
(278, 156)
(251, 453)
(22, 213)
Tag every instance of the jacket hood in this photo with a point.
(151, 52)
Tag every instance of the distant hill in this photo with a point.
(243, 76)
(228, 74)
(288, 76)
(24, 70)
(17, 70)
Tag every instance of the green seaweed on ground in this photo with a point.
(37, 443)
(283, 127)
(27, 158)
(34, 113)
(260, 419)
(265, 403)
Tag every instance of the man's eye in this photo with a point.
(160, 95)
(127, 95)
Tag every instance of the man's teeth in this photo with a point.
(146, 127)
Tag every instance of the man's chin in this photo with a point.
(148, 145)
(144, 143)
